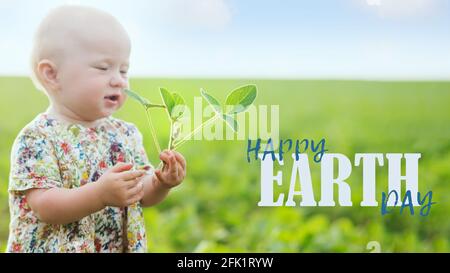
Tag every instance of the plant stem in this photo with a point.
(169, 146)
(181, 142)
(152, 129)
(151, 105)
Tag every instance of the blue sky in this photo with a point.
(344, 39)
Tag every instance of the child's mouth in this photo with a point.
(112, 98)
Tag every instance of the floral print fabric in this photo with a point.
(50, 154)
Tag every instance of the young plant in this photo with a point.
(236, 102)
(147, 106)
(175, 108)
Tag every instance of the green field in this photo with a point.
(215, 209)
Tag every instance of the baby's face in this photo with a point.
(93, 75)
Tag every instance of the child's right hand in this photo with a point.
(120, 186)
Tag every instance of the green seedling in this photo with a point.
(236, 102)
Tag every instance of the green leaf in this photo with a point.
(168, 99)
(140, 99)
(178, 99)
(145, 102)
(212, 101)
(179, 106)
(231, 122)
(241, 98)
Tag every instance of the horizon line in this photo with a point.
(274, 78)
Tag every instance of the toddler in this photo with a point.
(79, 177)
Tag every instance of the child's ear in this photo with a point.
(48, 73)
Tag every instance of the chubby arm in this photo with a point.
(117, 187)
(63, 206)
(156, 187)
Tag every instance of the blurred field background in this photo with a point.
(215, 209)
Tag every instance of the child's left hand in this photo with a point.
(174, 169)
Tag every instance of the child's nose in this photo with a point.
(119, 81)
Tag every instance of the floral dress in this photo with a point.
(50, 154)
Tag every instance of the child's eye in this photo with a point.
(124, 72)
(102, 68)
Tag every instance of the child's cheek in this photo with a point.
(121, 101)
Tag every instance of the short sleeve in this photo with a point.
(33, 164)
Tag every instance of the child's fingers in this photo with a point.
(180, 165)
(121, 167)
(180, 159)
(173, 161)
(136, 198)
(131, 183)
(164, 156)
(159, 176)
(172, 165)
(175, 164)
(136, 189)
(169, 162)
(130, 175)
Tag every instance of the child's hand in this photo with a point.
(174, 169)
(121, 187)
